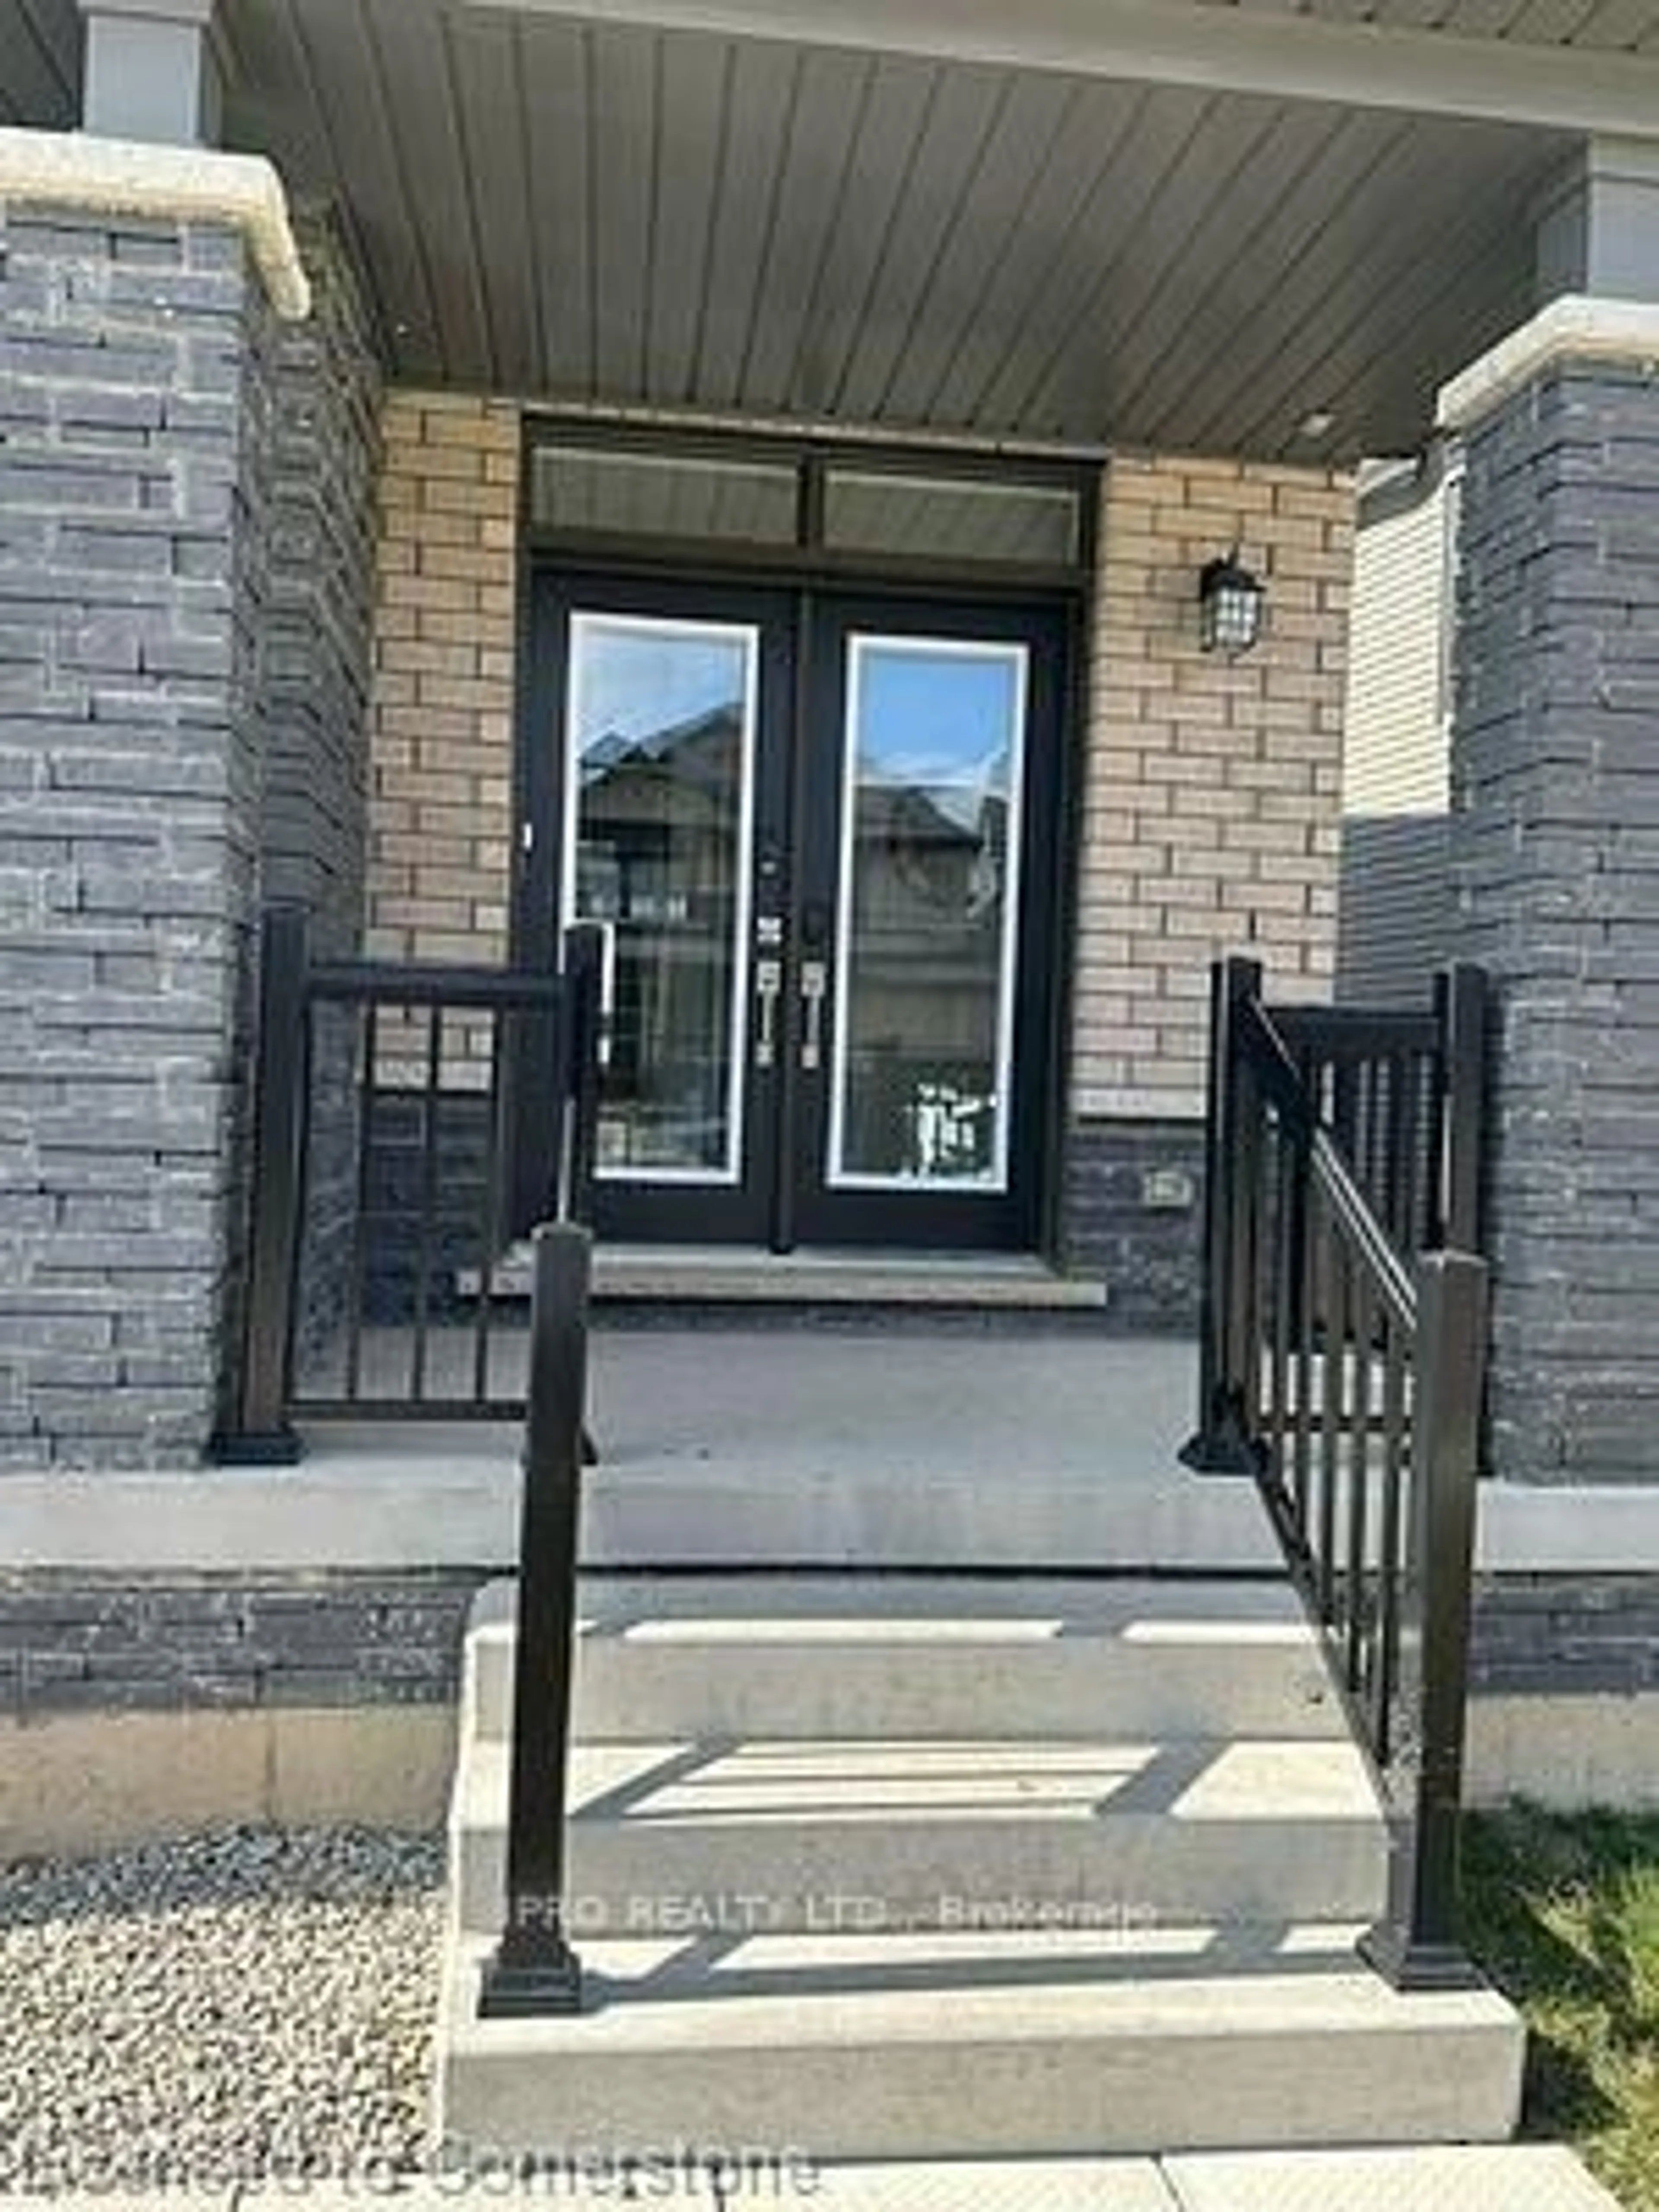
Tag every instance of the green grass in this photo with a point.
(1564, 1915)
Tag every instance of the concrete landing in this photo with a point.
(859, 1447)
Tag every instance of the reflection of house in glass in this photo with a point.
(929, 885)
(658, 848)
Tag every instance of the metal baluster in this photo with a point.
(1284, 1267)
(1364, 1311)
(1383, 1113)
(1390, 1563)
(1397, 1168)
(1307, 1266)
(489, 1224)
(426, 1262)
(357, 1281)
(1365, 1124)
(1333, 1402)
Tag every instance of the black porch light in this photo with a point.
(1229, 603)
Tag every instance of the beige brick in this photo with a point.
(470, 564)
(440, 823)
(419, 656)
(1224, 776)
(422, 913)
(471, 503)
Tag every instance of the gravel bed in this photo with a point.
(251, 2004)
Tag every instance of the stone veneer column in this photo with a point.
(1555, 772)
(317, 668)
(135, 446)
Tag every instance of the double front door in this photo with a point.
(820, 835)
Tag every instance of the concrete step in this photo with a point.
(676, 1277)
(890, 2047)
(914, 1834)
(909, 1656)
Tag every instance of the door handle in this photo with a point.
(814, 987)
(769, 989)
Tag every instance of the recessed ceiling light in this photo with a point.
(1318, 422)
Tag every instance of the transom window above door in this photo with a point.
(794, 505)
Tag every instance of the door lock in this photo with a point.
(814, 987)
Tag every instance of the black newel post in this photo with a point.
(261, 1434)
(534, 1969)
(1417, 1945)
(1226, 1342)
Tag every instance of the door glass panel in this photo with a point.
(929, 899)
(660, 726)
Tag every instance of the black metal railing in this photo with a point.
(534, 1970)
(411, 1124)
(1343, 1358)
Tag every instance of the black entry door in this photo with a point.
(819, 834)
(662, 719)
(924, 930)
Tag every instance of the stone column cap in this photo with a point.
(183, 184)
(1578, 327)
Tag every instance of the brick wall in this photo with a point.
(134, 424)
(1211, 798)
(442, 819)
(1212, 788)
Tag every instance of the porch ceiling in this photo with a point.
(608, 212)
(1592, 26)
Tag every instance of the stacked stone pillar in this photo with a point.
(1556, 854)
(138, 294)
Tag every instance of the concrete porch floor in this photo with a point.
(988, 1406)
(986, 1403)
(851, 1446)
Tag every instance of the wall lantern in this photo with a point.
(1229, 603)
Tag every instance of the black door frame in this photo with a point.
(1052, 782)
